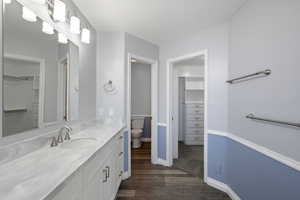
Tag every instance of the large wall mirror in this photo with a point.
(40, 74)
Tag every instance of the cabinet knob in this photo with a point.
(121, 137)
(121, 153)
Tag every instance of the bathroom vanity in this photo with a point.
(87, 167)
(97, 179)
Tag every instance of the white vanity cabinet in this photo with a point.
(103, 173)
(99, 178)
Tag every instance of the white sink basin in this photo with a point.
(78, 143)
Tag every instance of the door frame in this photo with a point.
(154, 106)
(170, 104)
(60, 78)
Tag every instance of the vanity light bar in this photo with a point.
(75, 25)
(39, 1)
(47, 28)
(59, 11)
(62, 38)
(85, 36)
(28, 15)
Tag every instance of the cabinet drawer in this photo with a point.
(194, 124)
(194, 140)
(195, 131)
(196, 118)
(193, 112)
(194, 105)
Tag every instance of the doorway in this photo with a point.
(186, 113)
(142, 103)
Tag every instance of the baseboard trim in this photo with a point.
(125, 175)
(261, 149)
(160, 161)
(223, 187)
(161, 124)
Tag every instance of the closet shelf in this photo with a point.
(18, 78)
(15, 110)
(194, 89)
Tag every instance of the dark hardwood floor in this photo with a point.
(153, 182)
(191, 159)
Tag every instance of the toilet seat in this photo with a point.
(136, 133)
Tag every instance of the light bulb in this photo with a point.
(59, 11)
(62, 38)
(75, 25)
(28, 15)
(47, 28)
(85, 36)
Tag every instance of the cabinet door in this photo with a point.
(94, 190)
(71, 190)
(108, 185)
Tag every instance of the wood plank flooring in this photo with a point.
(153, 182)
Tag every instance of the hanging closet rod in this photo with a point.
(265, 72)
(252, 116)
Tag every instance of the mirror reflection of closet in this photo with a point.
(21, 94)
(37, 74)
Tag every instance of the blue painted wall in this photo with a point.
(162, 142)
(125, 146)
(147, 128)
(251, 174)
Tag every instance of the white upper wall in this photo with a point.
(112, 54)
(111, 66)
(265, 34)
(215, 40)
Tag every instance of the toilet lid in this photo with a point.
(136, 131)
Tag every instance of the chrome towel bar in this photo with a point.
(252, 116)
(265, 72)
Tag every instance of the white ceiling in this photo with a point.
(157, 20)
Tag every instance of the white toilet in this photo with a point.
(137, 126)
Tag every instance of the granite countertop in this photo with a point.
(37, 174)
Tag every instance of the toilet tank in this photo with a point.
(137, 123)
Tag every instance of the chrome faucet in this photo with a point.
(60, 139)
(53, 142)
(68, 132)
